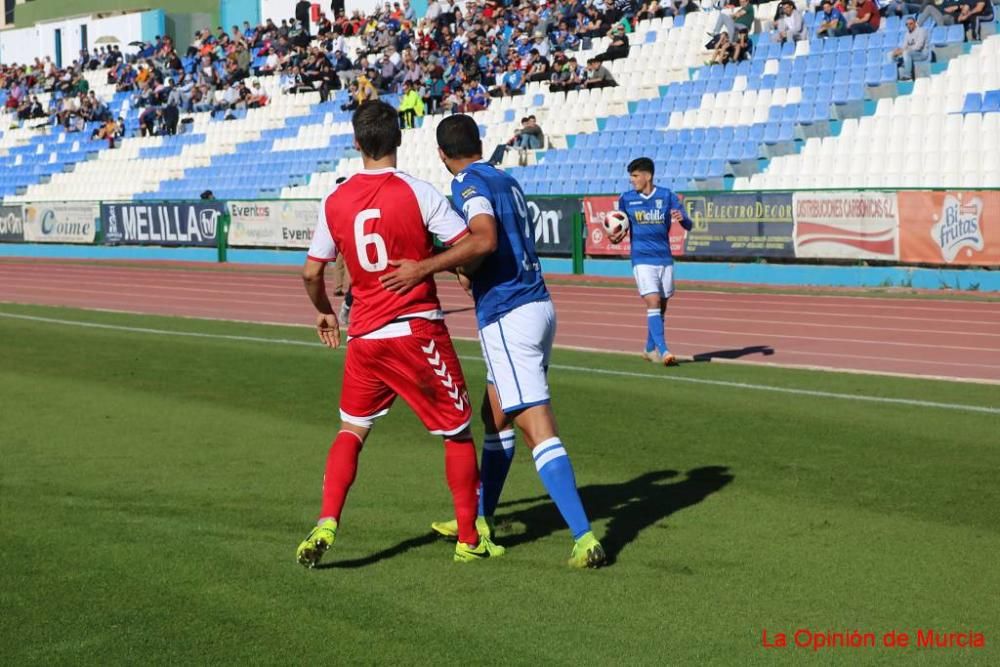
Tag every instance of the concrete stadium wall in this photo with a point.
(235, 12)
(30, 13)
(22, 45)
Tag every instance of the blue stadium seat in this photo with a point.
(991, 101)
(889, 73)
(824, 95)
(973, 103)
(771, 51)
(956, 34)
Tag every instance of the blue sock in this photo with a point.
(552, 463)
(654, 320)
(498, 452)
(650, 343)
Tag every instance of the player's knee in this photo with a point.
(537, 424)
(358, 430)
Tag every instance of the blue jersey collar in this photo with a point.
(649, 195)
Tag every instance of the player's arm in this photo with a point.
(465, 252)
(322, 251)
(678, 213)
(467, 245)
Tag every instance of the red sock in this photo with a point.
(463, 480)
(341, 468)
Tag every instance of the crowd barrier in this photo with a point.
(929, 227)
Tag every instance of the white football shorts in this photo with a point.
(517, 348)
(653, 279)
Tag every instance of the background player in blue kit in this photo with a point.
(517, 325)
(651, 210)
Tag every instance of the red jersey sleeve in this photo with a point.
(440, 218)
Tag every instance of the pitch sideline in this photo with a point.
(960, 407)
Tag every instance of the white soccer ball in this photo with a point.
(615, 222)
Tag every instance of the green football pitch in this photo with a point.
(157, 474)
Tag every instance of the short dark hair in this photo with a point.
(376, 129)
(642, 164)
(458, 137)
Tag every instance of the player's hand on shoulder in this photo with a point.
(328, 329)
(408, 274)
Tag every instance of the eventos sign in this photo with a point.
(168, 224)
(273, 224)
(58, 222)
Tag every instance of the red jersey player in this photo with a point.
(398, 343)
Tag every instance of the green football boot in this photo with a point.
(316, 543)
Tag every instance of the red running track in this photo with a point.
(926, 337)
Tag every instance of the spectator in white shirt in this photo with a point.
(791, 28)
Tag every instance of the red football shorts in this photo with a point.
(421, 367)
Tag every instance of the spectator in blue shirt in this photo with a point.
(830, 21)
(510, 83)
(477, 98)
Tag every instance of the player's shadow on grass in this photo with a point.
(371, 559)
(630, 506)
(763, 350)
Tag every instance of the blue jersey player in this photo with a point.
(517, 325)
(651, 210)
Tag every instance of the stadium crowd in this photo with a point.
(456, 58)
